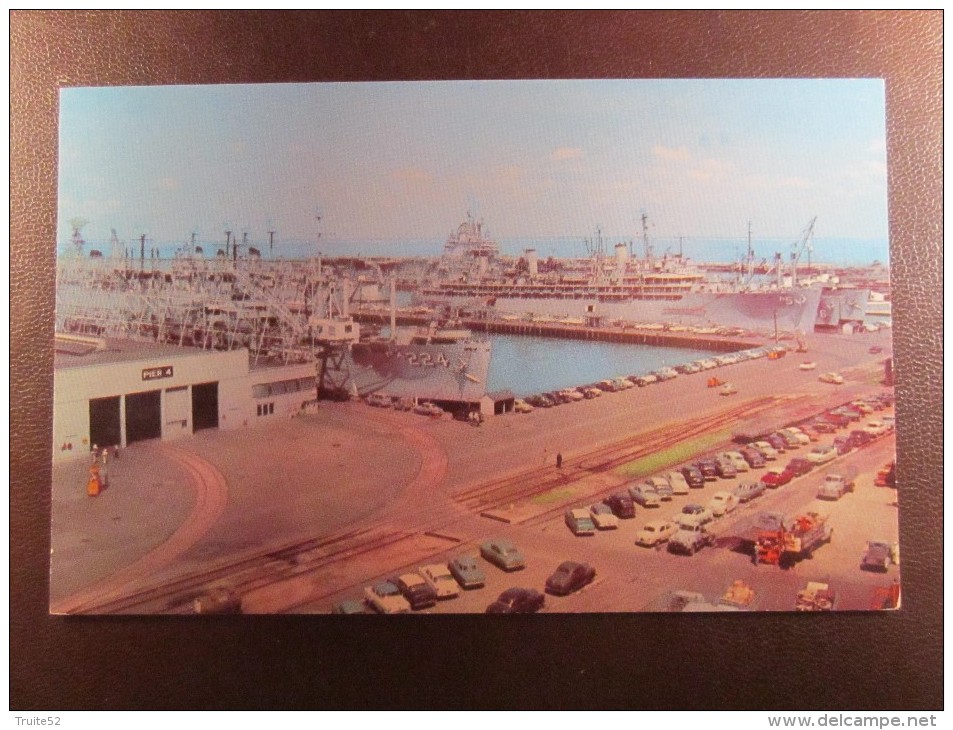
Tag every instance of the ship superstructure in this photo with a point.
(665, 289)
(281, 312)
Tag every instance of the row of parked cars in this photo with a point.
(437, 582)
(613, 385)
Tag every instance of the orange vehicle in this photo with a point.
(783, 542)
(714, 382)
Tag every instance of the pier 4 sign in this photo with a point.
(163, 371)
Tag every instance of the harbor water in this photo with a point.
(527, 365)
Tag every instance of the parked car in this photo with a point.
(753, 458)
(875, 428)
(736, 459)
(645, 496)
(822, 425)
(404, 404)
(694, 477)
(428, 409)
(838, 419)
(694, 514)
(416, 590)
(834, 487)
(677, 482)
(832, 378)
(690, 538)
(747, 491)
(503, 554)
(791, 442)
(880, 555)
(726, 470)
(661, 487)
(379, 401)
(842, 445)
(603, 517)
(800, 438)
(655, 532)
(350, 607)
(521, 406)
(767, 450)
(708, 469)
(518, 600)
(808, 365)
(858, 438)
(776, 477)
(643, 380)
(727, 389)
(776, 442)
(467, 572)
(590, 393)
(441, 580)
(570, 577)
(799, 466)
(579, 521)
(621, 505)
(821, 454)
(722, 503)
(385, 597)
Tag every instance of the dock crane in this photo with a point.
(799, 247)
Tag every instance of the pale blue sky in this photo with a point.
(533, 159)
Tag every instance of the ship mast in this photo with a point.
(645, 240)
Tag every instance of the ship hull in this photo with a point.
(454, 372)
(756, 310)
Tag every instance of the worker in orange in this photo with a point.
(94, 485)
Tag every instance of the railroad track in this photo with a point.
(249, 573)
(604, 459)
(301, 559)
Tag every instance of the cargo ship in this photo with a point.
(653, 290)
(281, 312)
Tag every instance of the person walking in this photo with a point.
(559, 460)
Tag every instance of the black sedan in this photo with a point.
(570, 577)
(708, 468)
(621, 505)
(695, 479)
(517, 600)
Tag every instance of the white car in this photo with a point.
(808, 365)
(708, 363)
(385, 597)
(572, 394)
(821, 454)
(655, 532)
(441, 580)
(677, 482)
(722, 503)
(521, 406)
(832, 378)
(802, 438)
(727, 389)
(736, 459)
(770, 453)
(875, 428)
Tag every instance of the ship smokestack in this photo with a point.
(621, 260)
(533, 261)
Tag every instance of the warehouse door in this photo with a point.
(104, 425)
(143, 416)
(205, 406)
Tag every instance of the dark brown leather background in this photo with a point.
(855, 661)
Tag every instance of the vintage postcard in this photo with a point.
(474, 347)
